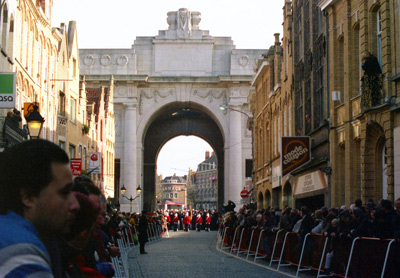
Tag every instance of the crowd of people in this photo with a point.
(55, 225)
(381, 220)
(186, 220)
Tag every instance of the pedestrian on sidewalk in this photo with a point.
(143, 225)
(176, 222)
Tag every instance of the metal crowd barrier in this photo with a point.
(126, 245)
(351, 258)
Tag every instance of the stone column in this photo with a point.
(235, 161)
(130, 160)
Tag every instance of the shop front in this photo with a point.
(311, 190)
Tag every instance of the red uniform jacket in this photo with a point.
(168, 219)
(208, 219)
(176, 219)
(186, 220)
(199, 220)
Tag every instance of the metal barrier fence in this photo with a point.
(126, 244)
(359, 257)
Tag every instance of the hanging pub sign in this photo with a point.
(7, 90)
(295, 152)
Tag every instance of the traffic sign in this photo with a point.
(244, 193)
(76, 166)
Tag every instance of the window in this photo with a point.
(50, 116)
(74, 67)
(52, 75)
(72, 110)
(249, 168)
(167, 195)
(176, 195)
(4, 27)
(318, 107)
(46, 69)
(379, 37)
(39, 59)
(61, 144)
(71, 151)
(61, 104)
(84, 158)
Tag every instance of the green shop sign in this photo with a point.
(7, 90)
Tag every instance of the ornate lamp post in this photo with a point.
(138, 192)
(35, 123)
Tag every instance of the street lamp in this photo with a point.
(138, 192)
(34, 122)
(224, 108)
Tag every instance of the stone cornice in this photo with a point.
(260, 71)
(38, 14)
(326, 3)
(170, 79)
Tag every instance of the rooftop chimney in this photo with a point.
(207, 154)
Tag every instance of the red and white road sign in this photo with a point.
(76, 166)
(244, 193)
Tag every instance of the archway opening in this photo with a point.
(260, 200)
(267, 201)
(187, 174)
(173, 121)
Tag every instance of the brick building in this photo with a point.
(364, 138)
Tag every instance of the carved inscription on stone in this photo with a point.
(210, 95)
(121, 91)
(122, 60)
(244, 61)
(155, 95)
(106, 60)
(88, 60)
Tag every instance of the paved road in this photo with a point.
(193, 255)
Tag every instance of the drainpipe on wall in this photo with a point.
(325, 14)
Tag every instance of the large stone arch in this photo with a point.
(176, 70)
(169, 123)
(372, 157)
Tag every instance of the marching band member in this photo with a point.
(186, 222)
(208, 222)
(199, 221)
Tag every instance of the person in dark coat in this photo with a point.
(230, 207)
(372, 81)
(194, 214)
(143, 225)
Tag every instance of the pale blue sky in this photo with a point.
(180, 154)
(115, 24)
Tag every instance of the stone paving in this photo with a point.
(194, 255)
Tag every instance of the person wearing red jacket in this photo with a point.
(199, 221)
(186, 222)
(208, 222)
(168, 219)
(175, 220)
